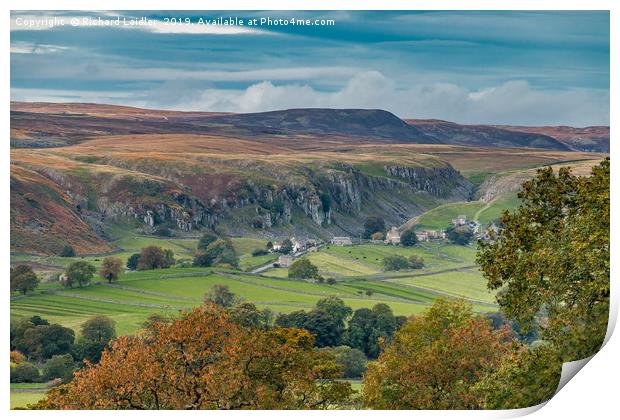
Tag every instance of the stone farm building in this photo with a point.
(285, 260)
(392, 237)
(342, 240)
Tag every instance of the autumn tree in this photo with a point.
(551, 259)
(80, 273)
(524, 378)
(434, 360)
(111, 268)
(23, 279)
(153, 257)
(203, 360)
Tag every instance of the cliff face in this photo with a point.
(324, 197)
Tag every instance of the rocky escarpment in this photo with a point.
(324, 196)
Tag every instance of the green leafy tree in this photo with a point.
(41, 342)
(206, 240)
(220, 294)
(408, 238)
(67, 251)
(286, 247)
(524, 378)
(395, 263)
(372, 225)
(295, 319)
(111, 268)
(353, 361)
(303, 269)
(416, 262)
(132, 261)
(24, 372)
(220, 252)
(60, 366)
(80, 273)
(248, 315)
(459, 235)
(23, 279)
(551, 259)
(97, 332)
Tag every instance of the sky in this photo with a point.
(473, 67)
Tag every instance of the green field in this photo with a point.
(21, 399)
(360, 283)
(441, 217)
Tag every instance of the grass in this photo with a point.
(36, 385)
(21, 399)
(360, 283)
(494, 209)
(441, 217)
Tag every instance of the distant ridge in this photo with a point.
(52, 125)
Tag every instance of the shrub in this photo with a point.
(259, 251)
(408, 238)
(24, 372)
(132, 261)
(416, 262)
(59, 367)
(395, 263)
(67, 251)
(377, 236)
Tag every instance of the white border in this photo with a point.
(592, 394)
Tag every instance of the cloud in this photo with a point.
(513, 102)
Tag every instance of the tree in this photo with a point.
(206, 240)
(203, 360)
(41, 342)
(248, 315)
(286, 247)
(67, 251)
(269, 245)
(153, 257)
(220, 294)
(295, 319)
(435, 360)
(331, 281)
(132, 261)
(80, 272)
(220, 252)
(23, 279)
(59, 367)
(551, 257)
(111, 268)
(395, 263)
(97, 332)
(408, 238)
(377, 236)
(460, 235)
(373, 224)
(353, 360)
(303, 269)
(24, 372)
(416, 262)
(525, 378)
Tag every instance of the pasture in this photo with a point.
(360, 283)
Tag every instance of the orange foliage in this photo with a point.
(205, 361)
